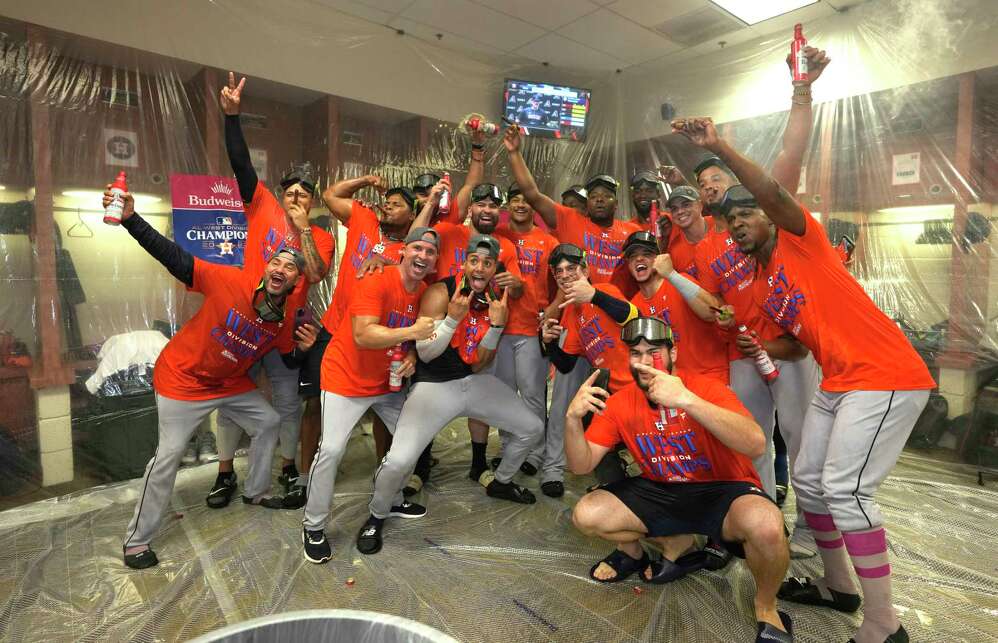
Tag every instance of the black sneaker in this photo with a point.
(717, 556)
(553, 488)
(528, 468)
(270, 502)
(221, 493)
(414, 486)
(407, 510)
(369, 536)
(510, 491)
(141, 560)
(766, 632)
(781, 494)
(288, 477)
(316, 547)
(296, 498)
(474, 473)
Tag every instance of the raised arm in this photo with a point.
(540, 202)
(581, 455)
(426, 213)
(338, 197)
(178, 261)
(476, 174)
(235, 144)
(787, 166)
(779, 206)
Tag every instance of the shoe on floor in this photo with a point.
(315, 546)
(288, 477)
(207, 449)
(369, 537)
(767, 632)
(414, 486)
(141, 560)
(781, 494)
(510, 491)
(717, 556)
(553, 488)
(190, 456)
(407, 510)
(528, 468)
(296, 498)
(474, 473)
(221, 493)
(270, 502)
(804, 591)
(901, 636)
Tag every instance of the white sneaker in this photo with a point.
(190, 456)
(207, 449)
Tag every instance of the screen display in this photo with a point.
(547, 110)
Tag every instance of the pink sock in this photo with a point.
(868, 551)
(833, 553)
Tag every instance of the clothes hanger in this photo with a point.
(85, 233)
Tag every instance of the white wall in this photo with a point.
(874, 46)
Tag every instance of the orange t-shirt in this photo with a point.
(591, 332)
(470, 332)
(807, 292)
(268, 231)
(700, 348)
(532, 251)
(361, 372)
(681, 449)
(364, 238)
(602, 245)
(210, 355)
(454, 250)
(683, 252)
(725, 270)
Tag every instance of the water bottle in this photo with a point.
(763, 363)
(798, 60)
(443, 209)
(114, 209)
(394, 379)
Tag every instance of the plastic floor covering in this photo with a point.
(475, 568)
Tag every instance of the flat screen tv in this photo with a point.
(552, 111)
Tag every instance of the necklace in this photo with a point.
(379, 248)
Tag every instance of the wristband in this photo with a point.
(686, 288)
(491, 339)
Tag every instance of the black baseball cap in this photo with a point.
(512, 191)
(737, 196)
(423, 233)
(425, 182)
(645, 176)
(486, 242)
(709, 161)
(651, 329)
(301, 173)
(685, 192)
(638, 240)
(295, 255)
(403, 192)
(568, 251)
(605, 180)
(577, 191)
(486, 191)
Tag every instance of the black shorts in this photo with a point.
(311, 369)
(674, 508)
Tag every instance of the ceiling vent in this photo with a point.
(699, 26)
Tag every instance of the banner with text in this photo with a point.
(208, 219)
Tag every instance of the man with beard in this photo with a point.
(369, 234)
(873, 389)
(519, 361)
(450, 382)
(355, 372)
(692, 440)
(204, 366)
(271, 226)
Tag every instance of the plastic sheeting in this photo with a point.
(474, 568)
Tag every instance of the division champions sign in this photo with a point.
(208, 219)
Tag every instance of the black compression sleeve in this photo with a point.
(563, 361)
(178, 261)
(239, 157)
(621, 311)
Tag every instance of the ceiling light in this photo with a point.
(753, 12)
(95, 196)
(2, 188)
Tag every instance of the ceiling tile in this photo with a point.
(653, 12)
(475, 21)
(548, 14)
(562, 52)
(391, 6)
(617, 36)
(449, 40)
(783, 26)
(358, 10)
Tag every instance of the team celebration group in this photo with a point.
(680, 342)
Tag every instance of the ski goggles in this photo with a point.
(652, 330)
(569, 252)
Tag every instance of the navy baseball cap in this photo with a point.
(577, 191)
(605, 180)
(405, 193)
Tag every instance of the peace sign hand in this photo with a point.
(232, 94)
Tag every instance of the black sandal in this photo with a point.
(623, 564)
(766, 632)
(802, 590)
(665, 571)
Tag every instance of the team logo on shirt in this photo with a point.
(784, 301)
(602, 253)
(595, 340)
(528, 259)
(733, 269)
(671, 456)
(241, 336)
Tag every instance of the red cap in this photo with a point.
(120, 183)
